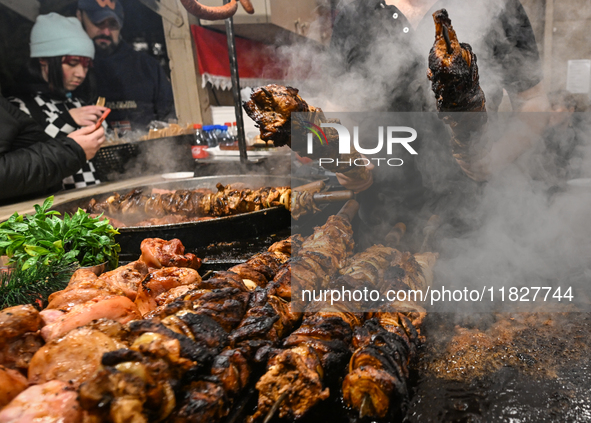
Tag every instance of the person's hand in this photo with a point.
(89, 139)
(355, 184)
(87, 115)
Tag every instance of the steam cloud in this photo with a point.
(527, 226)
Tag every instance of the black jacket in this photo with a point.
(31, 162)
(134, 85)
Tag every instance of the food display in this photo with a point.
(161, 342)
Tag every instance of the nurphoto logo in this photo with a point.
(387, 136)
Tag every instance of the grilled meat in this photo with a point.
(53, 401)
(157, 253)
(271, 107)
(159, 282)
(322, 253)
(184, 205)
(378, 370)
(384, 346)
(296, 374)
(453, 72)
(116, 307)
(19, 336)
(126, 278)
(73, 358)
(16, 321)
(12, 383)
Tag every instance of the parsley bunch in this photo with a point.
(45, 239)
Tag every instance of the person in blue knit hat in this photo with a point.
(133, 83)
(61, 54)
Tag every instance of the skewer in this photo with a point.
(349, 210)
(240, 407)
(319, 185)
(275, 407)
(395, 235)
(333, 196)
(447, 40)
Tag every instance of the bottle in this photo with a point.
(234, 131)
(210, 136)
(199, 147)
(225, 139)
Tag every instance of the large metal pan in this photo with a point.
(199, 235)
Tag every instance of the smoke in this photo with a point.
(525, 226)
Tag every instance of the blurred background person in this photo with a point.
(134, 84)
(61, 54)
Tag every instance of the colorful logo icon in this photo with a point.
(106, 3)
(317, 130)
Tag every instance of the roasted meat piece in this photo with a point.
(12, 383)
(126, 278)
(73, 358)
(118, 308)
(271, 107)
(159, 282)
(53, 401)
(159, 253)
(16, 321)
(453, 70)
(19, 336)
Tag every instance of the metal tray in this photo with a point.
(199, 235)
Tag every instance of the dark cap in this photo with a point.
(99, 10)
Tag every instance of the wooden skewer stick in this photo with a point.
(319, 185)
(333, 196)
(275, 407)
(395, 235)
(450, 50)
(349, 210)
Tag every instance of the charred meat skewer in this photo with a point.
(387, 342)
(272, 106)
(453, 71)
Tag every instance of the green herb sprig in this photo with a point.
(44, 239)
(33, 285)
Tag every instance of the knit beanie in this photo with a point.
(55, 35)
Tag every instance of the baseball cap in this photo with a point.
(55, 35)
(99, 10)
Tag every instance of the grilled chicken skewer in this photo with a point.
(387, 342)
(268, 320)
(226, 201)
(296, 377)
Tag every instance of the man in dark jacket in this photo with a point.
(134, 84)
(34, 164)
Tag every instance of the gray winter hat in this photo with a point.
(55, 35)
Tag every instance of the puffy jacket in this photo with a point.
(31, 162)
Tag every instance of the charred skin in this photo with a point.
(453, 70)
(216, 13)
(271, 107)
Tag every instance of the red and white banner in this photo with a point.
(258, 63)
